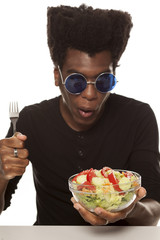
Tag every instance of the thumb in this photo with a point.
(141, 193)
(20, 136)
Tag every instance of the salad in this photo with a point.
(110, 189)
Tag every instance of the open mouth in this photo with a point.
(86, 113)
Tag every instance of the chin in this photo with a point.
(83, 125)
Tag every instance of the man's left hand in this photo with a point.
(103, 217)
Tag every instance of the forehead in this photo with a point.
(81, 61)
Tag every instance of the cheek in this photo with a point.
(103, 98)
(64, 94)
(68, 99)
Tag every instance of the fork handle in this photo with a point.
(14, 121)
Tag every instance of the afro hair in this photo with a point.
(88, 30)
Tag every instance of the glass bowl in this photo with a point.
(111, 197)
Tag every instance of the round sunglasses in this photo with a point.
(76, 83)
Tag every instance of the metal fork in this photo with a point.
(13, 114)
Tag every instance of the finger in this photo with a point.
(20, 136)
(13, 142)
(15, 168)
(14, 162)
(110, 216)
(93, 220)
(12, 172)
(86, 215)
(141, 193)
(21, 153)
(73, 200)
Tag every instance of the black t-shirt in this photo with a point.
(125, 137)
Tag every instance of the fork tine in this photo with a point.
(17, 106)
(13, 107)
(13, 114)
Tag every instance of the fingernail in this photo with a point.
(98, 211)
(19, 134)
(73, 200)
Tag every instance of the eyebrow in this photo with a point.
(70, 71)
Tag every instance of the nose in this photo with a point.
(90, 92)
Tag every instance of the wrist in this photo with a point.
(3, 184)
(136, 216)
(3, 179)
(144, 213)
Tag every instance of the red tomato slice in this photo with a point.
(79, 174)
(112, 178)
(90, 175)
(128, 174)
(104, 170)
(86, 185)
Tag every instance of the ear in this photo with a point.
(56, 76)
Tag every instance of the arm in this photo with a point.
(144, 159)
(145, 212)
(3, 186)
(11, 166)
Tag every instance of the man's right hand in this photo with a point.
(11, 166)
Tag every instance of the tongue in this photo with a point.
(85, 113)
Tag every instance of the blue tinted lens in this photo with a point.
(75, 83)
(105, 82)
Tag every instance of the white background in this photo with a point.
(26, 70)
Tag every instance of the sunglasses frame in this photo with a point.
(88, 82)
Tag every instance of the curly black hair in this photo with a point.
(88, 30)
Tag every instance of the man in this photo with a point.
(86, 126)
